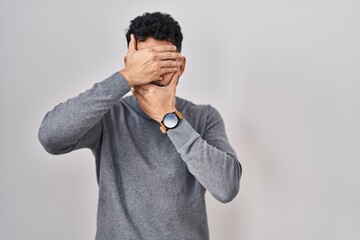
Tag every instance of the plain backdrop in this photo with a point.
(283, 74)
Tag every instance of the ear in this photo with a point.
(182, 66)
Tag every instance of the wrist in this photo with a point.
(162, 115)
(127, 77)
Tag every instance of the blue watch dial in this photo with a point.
(170, 120)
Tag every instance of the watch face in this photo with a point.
(170, 120)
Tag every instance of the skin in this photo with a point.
(152, 69)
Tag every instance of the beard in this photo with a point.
(157, 83)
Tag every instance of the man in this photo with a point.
(156, 154)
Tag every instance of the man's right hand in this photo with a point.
(148, 64)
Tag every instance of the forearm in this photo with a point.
(218, 171)
(63, 126)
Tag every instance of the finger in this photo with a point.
(174, 80)
(137, 95)
(168, 70)
(164, 48)
(139, 91)
(169, 63)
(145, 87)
(132, 43)
(168, 55)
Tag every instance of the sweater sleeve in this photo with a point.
(210, 158)
(76, 123)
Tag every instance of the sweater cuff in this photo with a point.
(116, 85)
(182, 134)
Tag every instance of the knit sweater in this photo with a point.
(151, 185)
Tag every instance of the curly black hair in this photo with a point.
(160, 26)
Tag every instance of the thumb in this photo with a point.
(132, 43)
(174, 79)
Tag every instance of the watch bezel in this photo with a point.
(166, 115)
(164, 128)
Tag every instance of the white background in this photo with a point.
(283, 74)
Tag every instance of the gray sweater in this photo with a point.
(151, 185)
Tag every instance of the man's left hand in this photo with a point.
(157, 101)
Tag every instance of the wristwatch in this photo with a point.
(170, 121)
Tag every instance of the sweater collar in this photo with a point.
(135, 105)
